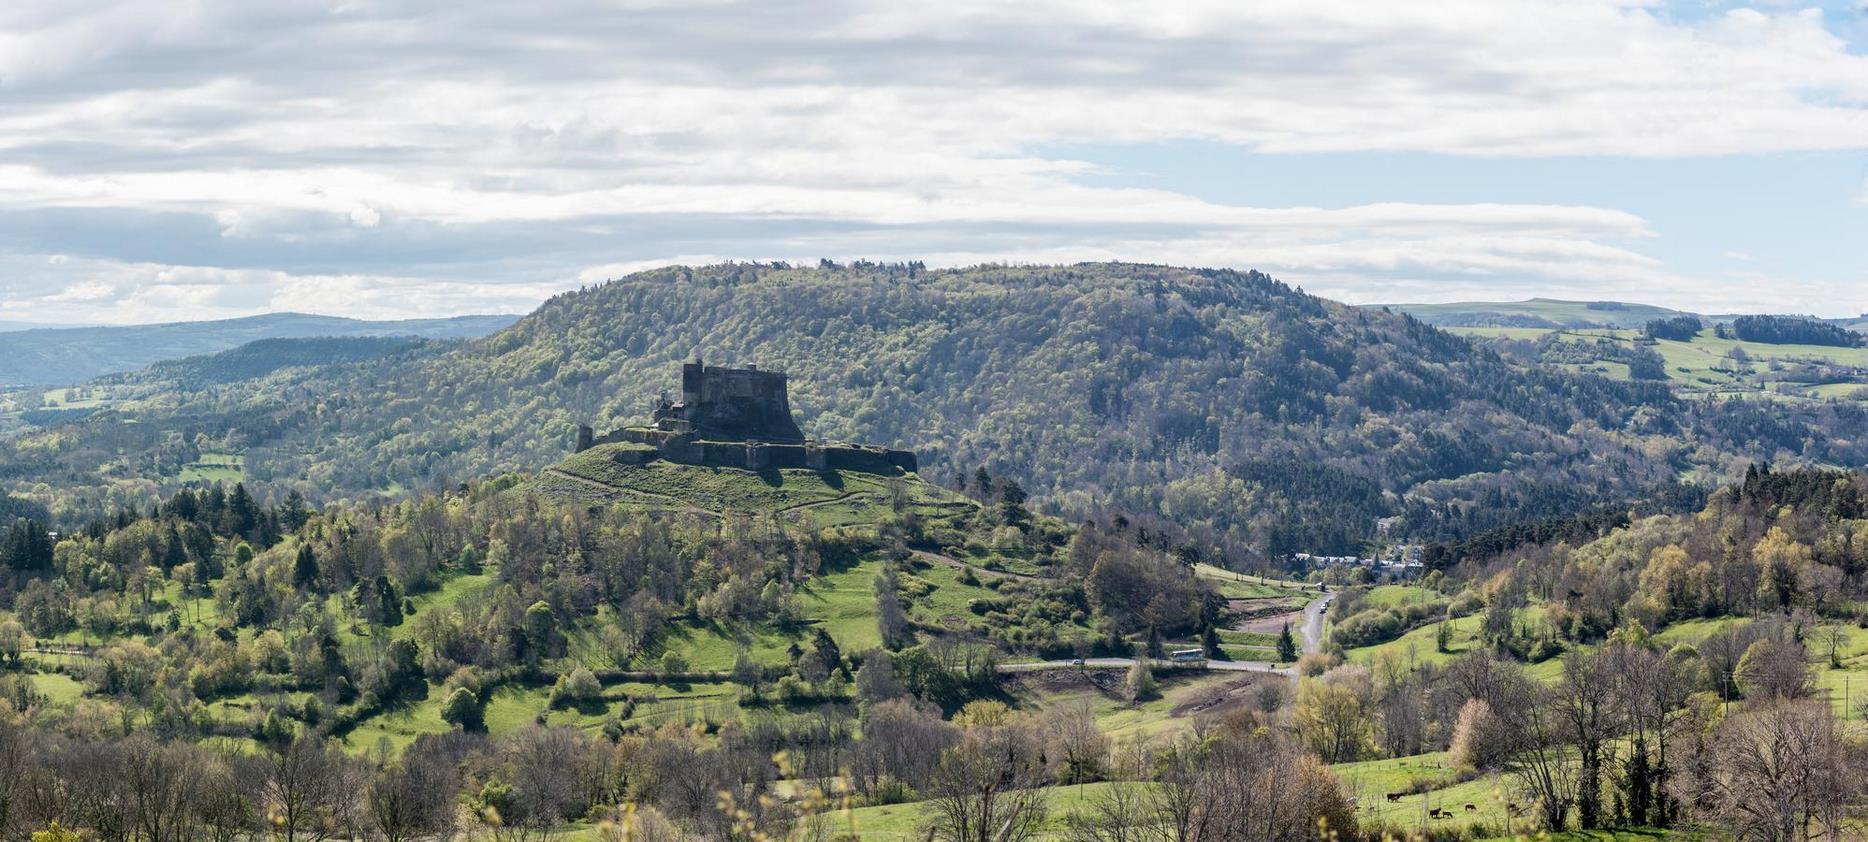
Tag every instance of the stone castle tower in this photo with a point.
(730, 404)
(738, 418)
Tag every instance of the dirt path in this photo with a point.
(670, 503)
(957, 564)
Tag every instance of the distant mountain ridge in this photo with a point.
(1536, 312)
(1553, 313)
(63, 356)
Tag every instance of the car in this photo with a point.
(1077, 662)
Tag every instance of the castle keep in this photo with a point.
(738, 418)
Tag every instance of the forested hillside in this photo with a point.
(1244, 411)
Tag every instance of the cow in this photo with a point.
(1394, 796)
(1512, 809)
(1472, 808)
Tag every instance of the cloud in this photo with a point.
(443, 148)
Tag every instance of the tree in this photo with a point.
(311, 790)
(1779, 767)
(413, 798)
(305, 567)
(1774, 667)
(14, 641)
(875, 679)
(989, 787)
(891, 621)
(1480, 739)
(464, 710)
(1141, 680)
(1331, 715)
(1287, 647)
(748, 674)
(577, 687)
(1587, 703)
(1075, 744)
(1245, 782)
(1540, 758)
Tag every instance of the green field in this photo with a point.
(214, 467)
(1705, 366)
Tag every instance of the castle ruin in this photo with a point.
(738, 418)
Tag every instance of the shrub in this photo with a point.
(575, 688)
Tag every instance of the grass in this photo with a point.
(1370, 781)
(401, 725)
(59, 689)
(903, 821)
(214, 467)
(1395, 596)
(1704, 365)
(75, 397)
(718, 489)
(1117, 716)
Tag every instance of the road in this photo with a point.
(1313, 622)
(1312, 633)
(1125, 663)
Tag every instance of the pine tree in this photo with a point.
(1287, 646)
(305, 569)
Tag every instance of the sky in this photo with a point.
(192, 159)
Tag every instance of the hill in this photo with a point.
(60, 356)
(1251, 415)
(807, 497)
(260, 358)
(1535, 313)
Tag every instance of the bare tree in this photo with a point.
(1780, 768)
(1541, 761)
(160, 785)
(1245, 784)
(1074, 742)
(1586, 700)
(311, 790)
(1125, 812)
(413, 797)
(902, 742)
(989, 787)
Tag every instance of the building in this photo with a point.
(739, 418)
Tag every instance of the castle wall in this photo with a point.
(686, 449)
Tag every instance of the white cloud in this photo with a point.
(445, 148)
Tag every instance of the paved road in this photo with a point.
(1313, 622)
(1313, 640)
(1125, 663)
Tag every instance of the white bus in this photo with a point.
(1187, 656)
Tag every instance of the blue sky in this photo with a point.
(386, 158)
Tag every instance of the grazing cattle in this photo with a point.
(1472, 808)
(1394, 796)
(1438, 813)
